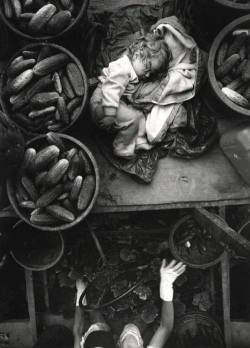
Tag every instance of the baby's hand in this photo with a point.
(107, 123)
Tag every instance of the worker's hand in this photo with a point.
(169, 273)
(80, 287)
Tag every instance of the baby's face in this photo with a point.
(141, 66)
(145, 67)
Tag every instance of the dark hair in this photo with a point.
(99, 339)
(151, 45)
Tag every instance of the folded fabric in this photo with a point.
(161, 118)
(179, 84)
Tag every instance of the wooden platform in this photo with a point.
(207, 181)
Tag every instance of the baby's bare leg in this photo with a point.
(127, 125)
(142, 141)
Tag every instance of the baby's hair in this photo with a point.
(152, 45)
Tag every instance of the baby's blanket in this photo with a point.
(180, 84)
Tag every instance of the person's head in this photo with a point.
(99, 339)
(149, 56)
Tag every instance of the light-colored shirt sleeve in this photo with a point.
(117, 77)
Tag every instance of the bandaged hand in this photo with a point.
(169, 273)
(80, 287)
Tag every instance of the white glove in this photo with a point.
(169, 273)
(80, 286)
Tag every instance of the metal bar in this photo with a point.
(225, 278)
(222, 232)
(212, 288)
(97, 244)
(46, 290)
(31, 303)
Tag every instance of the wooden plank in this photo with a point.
(225, 278)
(99, 6)
(166, 206)
(31, 303)
(209, 180)
(176, 182)
(240, 334)
(222, 232)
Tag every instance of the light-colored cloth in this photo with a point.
(179, 84)
(118, 79)
(180, 81)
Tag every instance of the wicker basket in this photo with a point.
(191, 259)
(4, 98)
(221, 102)
(82, 6)
(39, 142)
(197, 329)
(36, 250)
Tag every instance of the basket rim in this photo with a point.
(177, 255)
(80, 217)
(192, 315)
(49, 265)
(211, 64)
(73, 58)
(45, 37)
(231, 4)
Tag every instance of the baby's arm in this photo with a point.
(113, 87)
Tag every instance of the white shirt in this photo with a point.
(118, 79)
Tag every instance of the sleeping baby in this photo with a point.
(145, 59)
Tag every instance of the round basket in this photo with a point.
(224, 104)
(5, 97)
(80, 11)
(197, 329)
(36, 250)
(39, 143)
(192, 255)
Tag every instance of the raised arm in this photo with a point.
(168, 274)
(79, 315)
